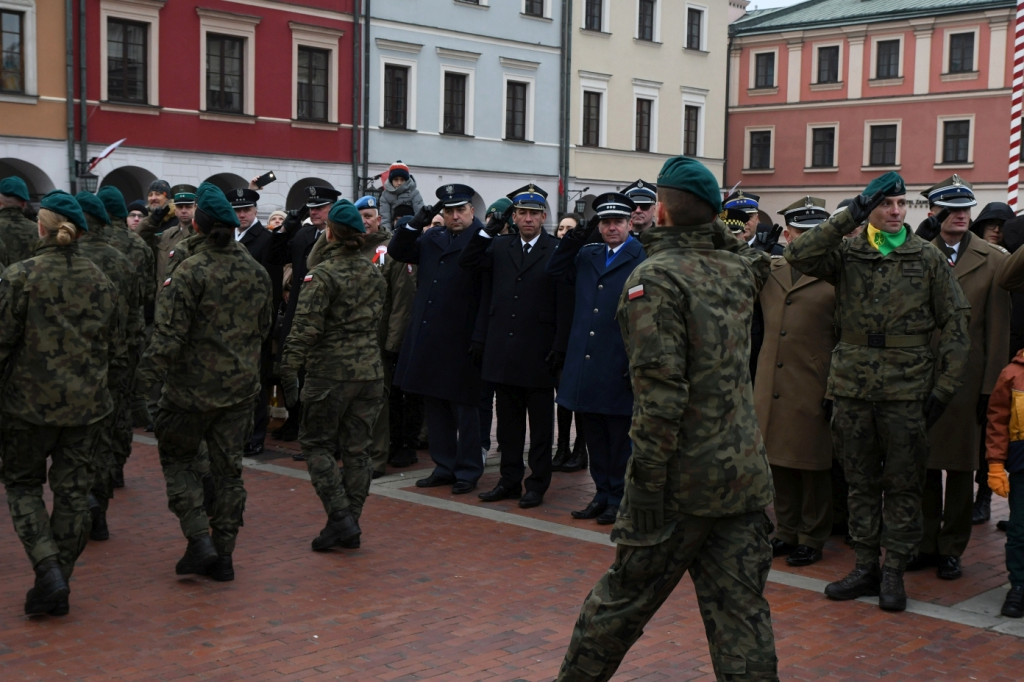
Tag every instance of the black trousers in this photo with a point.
(514, 405)
(607, 437)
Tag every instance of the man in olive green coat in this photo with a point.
(698, 480)
(893, 292)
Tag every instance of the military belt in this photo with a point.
(886, 340)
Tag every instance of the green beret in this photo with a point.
(690, 175)
(499, 206)
(344, 212)
(211, 201)
(92, 205)
(13, 186)
(64, 204)
(891, 183)
(113, 201)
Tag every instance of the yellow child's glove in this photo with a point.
(998, 479)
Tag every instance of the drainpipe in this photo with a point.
(366, 89)
(70, 92)
(83, 113)
(564, 99)
(356, 69)
(725, 135)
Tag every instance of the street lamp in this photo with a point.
(87, 181)
(581, 203)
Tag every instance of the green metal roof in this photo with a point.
(826, 13)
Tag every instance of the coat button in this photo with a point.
(586, 357)
(513, 316)
(511, 333)
(789, 301)
(595, 311)
(782, 333)
(775, 395)
(591, 333)
(778, 364)
(441, 261)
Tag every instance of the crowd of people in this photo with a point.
(842, 366)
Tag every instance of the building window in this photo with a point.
(828, 64)
(224, 73)
(691, 129)
(591, 119)
(644, 110)
(533, 8)
(887, 64)
(12, 69)
(312, 84)
(961, 53)
(515, 110)
(593, 14)
(126, 61)
(396, 96)
(956, 141)
(645, 21)
(760, 150)
(694, 28)
(764, 70)
(454, 103)
(823, 148)
(883, 145)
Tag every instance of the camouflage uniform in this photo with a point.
(685, 316)
(60, 325)
(880, 383)
(18, 234)
(334, 337)
(213, 314)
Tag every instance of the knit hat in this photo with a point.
(138, 205)
(64, 204)
(92, 205)
(113, 201)
(344, 212)
(160, 186)
(398, 170)
(690, 175)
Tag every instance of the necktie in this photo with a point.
(950, 255)
(526, 249)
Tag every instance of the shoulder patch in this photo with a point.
(307, 278)
(635, 292)
(167, 281)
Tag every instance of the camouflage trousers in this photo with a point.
(180, 436)
(24, 449)
(884, 451)
(728, 560)
(380, 448)
(337, 425)
(114, 441)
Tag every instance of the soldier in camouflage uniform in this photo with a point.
(18, 234)
(60, 325)
(893, 292)
(698, 480)
(211, 317)
(334, 339)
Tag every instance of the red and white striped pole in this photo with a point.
(1016, 99)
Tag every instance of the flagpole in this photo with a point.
(1016, 99)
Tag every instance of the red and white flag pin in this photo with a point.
(635, 292)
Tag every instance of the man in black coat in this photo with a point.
(524, 341)
(433, 361)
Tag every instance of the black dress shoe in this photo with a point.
(252, 449)
(532, 498)
(1013, 606)
(434, 481)
(1002, 525)
(804, 555)
(405, 457)
(499, 492)
(591, 511)
(463, 487)
(921, 561)
(949, 568)
(609, 515)
(781, 547)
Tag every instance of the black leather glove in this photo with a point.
(158, 214)
(583, 231)
(389, 358)
(554, 360)
(476, 353)
(766, 240)
(828, 406)
(930, 226)
(933, 409)
(425, 215)
(982, 408)
(498, 222)
(293, 220)
(862, 205)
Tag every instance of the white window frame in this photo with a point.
(595, 82)
(694, 98)
(29, 50)
(656, 33)
(746, 149)
(388, 50)
(321, 38)
(545, 11)
(237, 26)
(873, 73)
(143, 12)
(703, 25)
(604, 17)
(947, 37)
(752, 75)
(940, 139)
(809, 147)
(866, 159)
(644, 89)
(814, 64)
(470, 74)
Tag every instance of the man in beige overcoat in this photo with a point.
(789, 395)
(955, 438)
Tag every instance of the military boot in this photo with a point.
(99, 531)
(199, 556)
(223, 569)
(49, 591)
(891, 595)
(862, 581)
(578, 460)
(982, 510)
(341, 528)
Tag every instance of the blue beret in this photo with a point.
(890, 183)
(344, 212)
(211, 201)
(455, 195)
(92, 205)
(369, 201)
(64, 204)
(613, 204)
(113, 201)
(13, 186)
(690, 175)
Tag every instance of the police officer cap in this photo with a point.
(211, 201)
(13, 186)
(642, 193)
(498, 207)
(890, 183)
(953, 192)
(735, 219)
(529, 197)
(805, 213)
(690, 175)
(184, 194)
(994, 211)
(138, 205)
(318, 195)
(454, 195)
(160, 186)
(344, 212)
(369, 201)
(243, 197)
(92, 205)
(113, 201)
(612, 204)
(64, 204)
(744, 201)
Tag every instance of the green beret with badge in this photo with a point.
(890, 184)
(344, 212)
